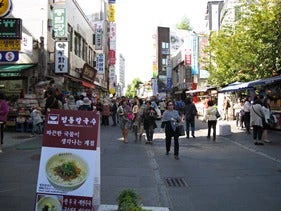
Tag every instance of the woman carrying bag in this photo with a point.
(170, 121)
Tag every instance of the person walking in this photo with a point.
(105, 112)
(237, 110)
(211, 118)
(190, 112)
(86, 106)
(70, 104)
(4, 110)
(256, 121)
(37, 121)
(113, 109)
(149, 117)
(123, 111)
(247, 115)
(170, 121)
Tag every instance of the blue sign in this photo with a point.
(169, 84)
(9, 56)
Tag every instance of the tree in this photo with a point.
(132, 88)
(249, 49)
(184, 24)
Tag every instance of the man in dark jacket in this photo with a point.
(190, 112)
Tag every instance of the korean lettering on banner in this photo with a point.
(61, 57)
(59, 22)
(100, 63)
(69, 163)
(112, 58)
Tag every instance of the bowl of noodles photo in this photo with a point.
(66, 171)
(49, 204)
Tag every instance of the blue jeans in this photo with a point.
(190, 124)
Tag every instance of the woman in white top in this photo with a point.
(211, 118)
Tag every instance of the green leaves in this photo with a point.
(249, 49)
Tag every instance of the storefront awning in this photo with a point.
(13, 70)
(88, 85)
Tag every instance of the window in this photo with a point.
(164, 61)
(77, 44)
(70, 37)
(84, 50)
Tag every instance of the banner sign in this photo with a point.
(98, 25)
(61, 57)
(112, 58)
(100, 63)
(10, 28)
(10, 45)
(9, 56)
(111, 12)
(59, 22)
(69, 170)
(112, 36)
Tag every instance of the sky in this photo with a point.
(137, 21)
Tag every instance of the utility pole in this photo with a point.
(41, 60)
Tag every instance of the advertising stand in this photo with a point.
(69, 170)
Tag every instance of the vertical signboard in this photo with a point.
(194, 58)
(112, 57)
(111, 12)
(69, 170)
(61, 57)
(100, 63)
(98, 35)
(112, 36)
(59, 22)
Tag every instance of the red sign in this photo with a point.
(112, 57)
(76, 130)
(71, 141)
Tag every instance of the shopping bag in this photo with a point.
(181, 130)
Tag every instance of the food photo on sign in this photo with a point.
(66, 171)
(49, 202)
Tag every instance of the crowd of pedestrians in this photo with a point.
(140, 115)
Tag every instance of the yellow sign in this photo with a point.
(10, 45)
(111, 13)
(5, 7)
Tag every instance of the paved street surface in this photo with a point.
(229, 174)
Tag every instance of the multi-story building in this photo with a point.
(57, 43)
(162, 60)
(214, 15)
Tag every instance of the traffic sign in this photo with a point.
(9, 56)
(10, 45)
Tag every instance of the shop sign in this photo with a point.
(112, 36)
(111, 1)
(10, 45)
(169, 84)
(61, 57)
(9, 56)
(100, 63)
(69, 169)
(88, 72)
(10, 28)
(112, 58)
(111, 72)
(111, 12)
(5, 7)
(26, 44)
(59, 22)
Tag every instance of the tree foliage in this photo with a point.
(132, 88)
(184, 24)
(250, 48)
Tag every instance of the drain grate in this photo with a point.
(176, 182)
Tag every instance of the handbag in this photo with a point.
(218, 114)
(181, 130)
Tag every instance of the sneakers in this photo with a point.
(267, 141)
(176, 157)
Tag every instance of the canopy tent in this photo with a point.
(250, 85)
